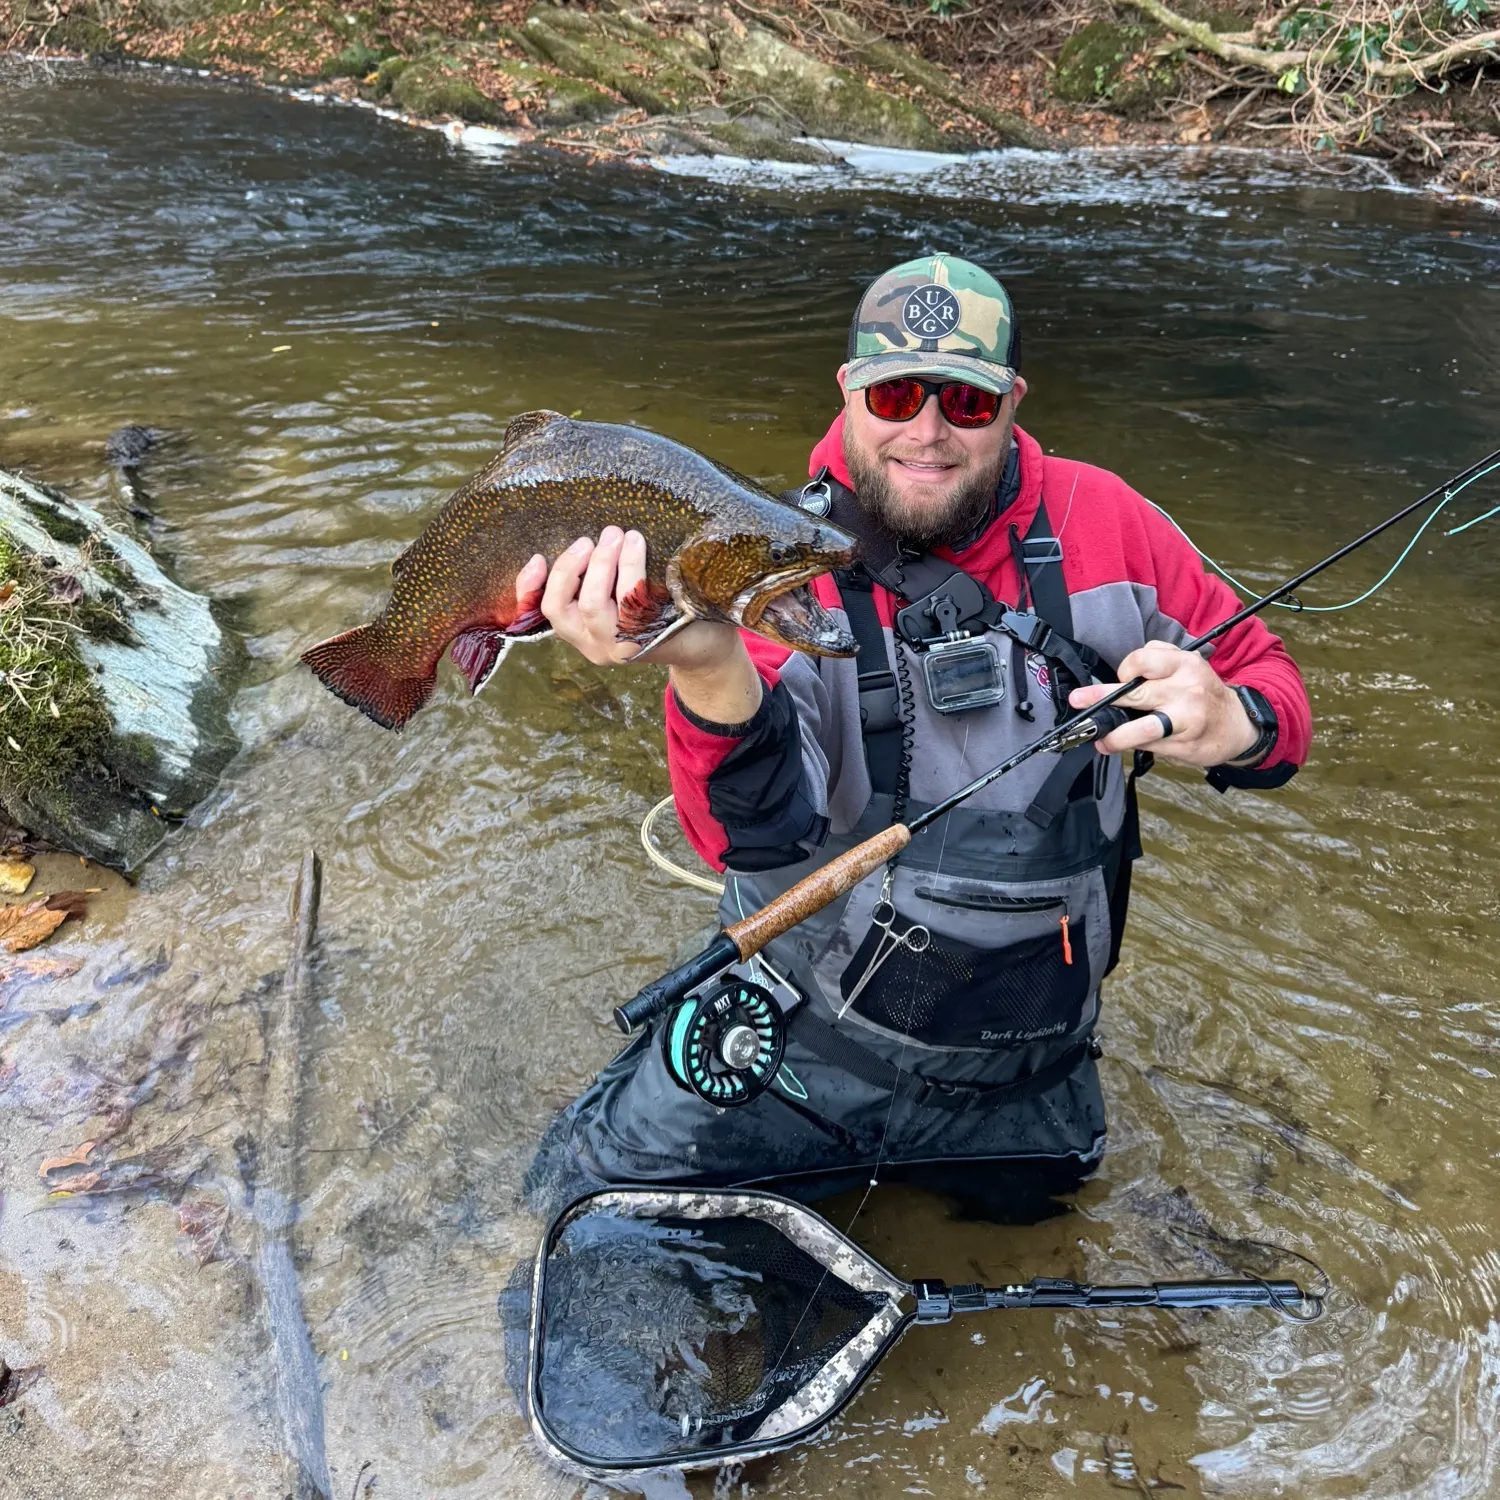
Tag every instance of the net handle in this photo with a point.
(937, 1302)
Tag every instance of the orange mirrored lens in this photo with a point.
(968, 405)
(895, 400)
(962, 405)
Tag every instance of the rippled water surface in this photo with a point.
(1301, 1043)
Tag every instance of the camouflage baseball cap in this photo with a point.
(939, 316)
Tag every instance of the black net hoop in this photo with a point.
(685, 1329)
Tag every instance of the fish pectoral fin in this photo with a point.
(529, 622)
(478, 654)
(663, 635)
(527, 423)
(645, 612)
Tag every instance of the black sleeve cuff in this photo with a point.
(756, 721)
(759, 792)
(1252, 778)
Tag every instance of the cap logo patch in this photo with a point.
(930, 312)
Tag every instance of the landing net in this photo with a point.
(673, 1325)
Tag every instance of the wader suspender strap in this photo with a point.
(1039, 568)
(879, 703)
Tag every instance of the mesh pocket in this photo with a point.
(955, 995)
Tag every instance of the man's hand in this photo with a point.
(1209, 723)
(580, 598)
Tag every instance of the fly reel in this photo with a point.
(726, 1045)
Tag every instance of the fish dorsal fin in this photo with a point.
(527, 423)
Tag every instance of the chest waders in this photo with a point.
(969, 971)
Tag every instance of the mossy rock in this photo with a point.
(826, 100)
(388, 72)
(559, 100)
(756, 138)
(886, 57)
(114, 703)
(661, 76)
(431, 87)
(1108, 63)
(355, 61)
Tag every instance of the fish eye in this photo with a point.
(780, 552)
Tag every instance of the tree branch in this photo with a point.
(1228, 46)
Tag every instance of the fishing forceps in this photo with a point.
(916, 939)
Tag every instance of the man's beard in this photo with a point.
(930, 523)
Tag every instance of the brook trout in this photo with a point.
(718, 547)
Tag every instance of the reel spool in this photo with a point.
(725, 1046)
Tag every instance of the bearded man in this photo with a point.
(941, 1018)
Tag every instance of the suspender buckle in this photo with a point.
(1042, 549)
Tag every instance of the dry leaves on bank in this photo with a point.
(23, 927)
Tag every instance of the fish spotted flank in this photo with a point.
(718, 547)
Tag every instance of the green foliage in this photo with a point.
(1356, 42)
(944, 8)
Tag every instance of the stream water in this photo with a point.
(335, 317)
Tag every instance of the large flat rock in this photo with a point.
(166, 682)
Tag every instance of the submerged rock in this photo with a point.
(114, 681)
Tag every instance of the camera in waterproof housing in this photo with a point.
(963, 673)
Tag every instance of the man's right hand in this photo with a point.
(580, 598)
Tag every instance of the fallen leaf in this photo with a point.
(78, 1158)
(15, 876)
(23, 927)
(85, 1183)
(203, 1223)
(6, 590)
(15, 1383)
(73, 904)
(26, 971)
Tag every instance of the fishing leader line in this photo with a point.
(1369, 593)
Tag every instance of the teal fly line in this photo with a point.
(1369, 593)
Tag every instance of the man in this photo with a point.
(961, 1056)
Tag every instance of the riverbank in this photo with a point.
(639, 79)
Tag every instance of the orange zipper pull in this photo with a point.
(1067, 941)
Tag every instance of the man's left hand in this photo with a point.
(1209, 723)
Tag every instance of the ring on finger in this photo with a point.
(1167, 728)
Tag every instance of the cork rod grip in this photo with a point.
(818, 890)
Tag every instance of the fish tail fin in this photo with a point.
(351, 666)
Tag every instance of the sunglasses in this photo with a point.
(961, 405)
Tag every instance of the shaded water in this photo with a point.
(1300, 1044)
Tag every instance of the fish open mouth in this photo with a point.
(786, 611)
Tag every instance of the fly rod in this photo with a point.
(839, 876)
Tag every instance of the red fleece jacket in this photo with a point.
(1110, 536)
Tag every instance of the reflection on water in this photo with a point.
(1300, 1044)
